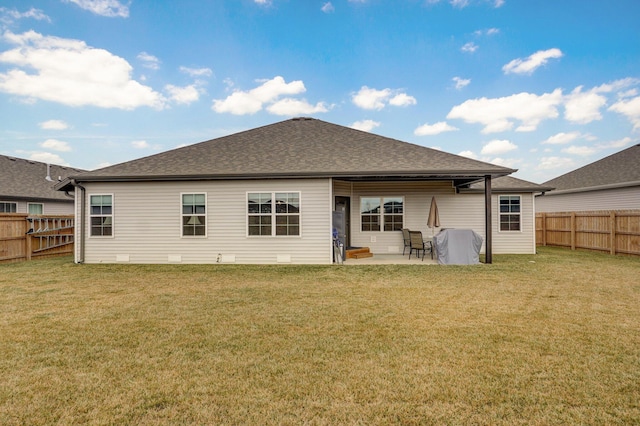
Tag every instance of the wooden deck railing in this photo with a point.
(24, 237)
(614, 232)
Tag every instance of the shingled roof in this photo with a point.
(508, 184)
(299, 147)
(26, 180)
(619, 169)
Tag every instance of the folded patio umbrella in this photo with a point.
(434, 218)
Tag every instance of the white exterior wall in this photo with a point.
(609, 199)
(465, 211)
(147, 224)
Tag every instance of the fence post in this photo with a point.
(544, 229)
(612, 227)
(27, 241)
(573, 230)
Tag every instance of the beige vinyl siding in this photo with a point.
(417, 199)
(609, 199)
(49, 208)
(462, 211)
(147, 224)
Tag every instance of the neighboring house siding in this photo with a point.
(609, 199)
(49, 207)
(462, 211)
(147, 224)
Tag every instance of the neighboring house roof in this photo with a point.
(299, 147)
(617, 170)
(26, 180)
(508, 184)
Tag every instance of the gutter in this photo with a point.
(594, 188)
(83, 210)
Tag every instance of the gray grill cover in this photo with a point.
(458, 247)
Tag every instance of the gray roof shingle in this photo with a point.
(617, 169)
(299, 147)
(509, 184)
(25, 179)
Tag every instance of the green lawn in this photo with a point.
(547, 339)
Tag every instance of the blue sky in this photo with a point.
(542, 86)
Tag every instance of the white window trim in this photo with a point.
(382, 197)
(35, 204)
(273, 214)
(206, 216)
(113, 211)
(10, 202)
(508, 231)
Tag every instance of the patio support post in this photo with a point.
(488, 256)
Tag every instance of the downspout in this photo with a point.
(488, 252)
(83, 209)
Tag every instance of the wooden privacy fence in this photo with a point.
(614, 232)
(24, 237)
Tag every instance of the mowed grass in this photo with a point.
(552, 338)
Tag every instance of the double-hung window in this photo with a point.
(101, 215)
(194, 215)
(6, 207)
(273, 213)
(510, 216)
(382, 213)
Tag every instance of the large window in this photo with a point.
(6, 207)
(382, 213)
(36, 208)
(509, 212)
(194, 215)
(101, 214)
(273, 213)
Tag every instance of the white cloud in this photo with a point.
(47, 157)
(562, 138)
(369, 98)
(497, 146)
(583, 107)
(579, 150)
(197, 72)
(53, 125)
(365, 125)
(149, 61)
(468, 154)
(469, 47)
(505, 162)
(108, 8)
(402, 99)
(630, 108)
(499, 114)
(69, 72)
(327, 7)
(459, 3)
(548, 163)
(8, 16)
(533, 62)
(499, 3)
(434, 129)
(56, 145)
(252, 101)
(140, 144)
(461, 82)
(291, 107)
(620, 143)
(183, 95)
